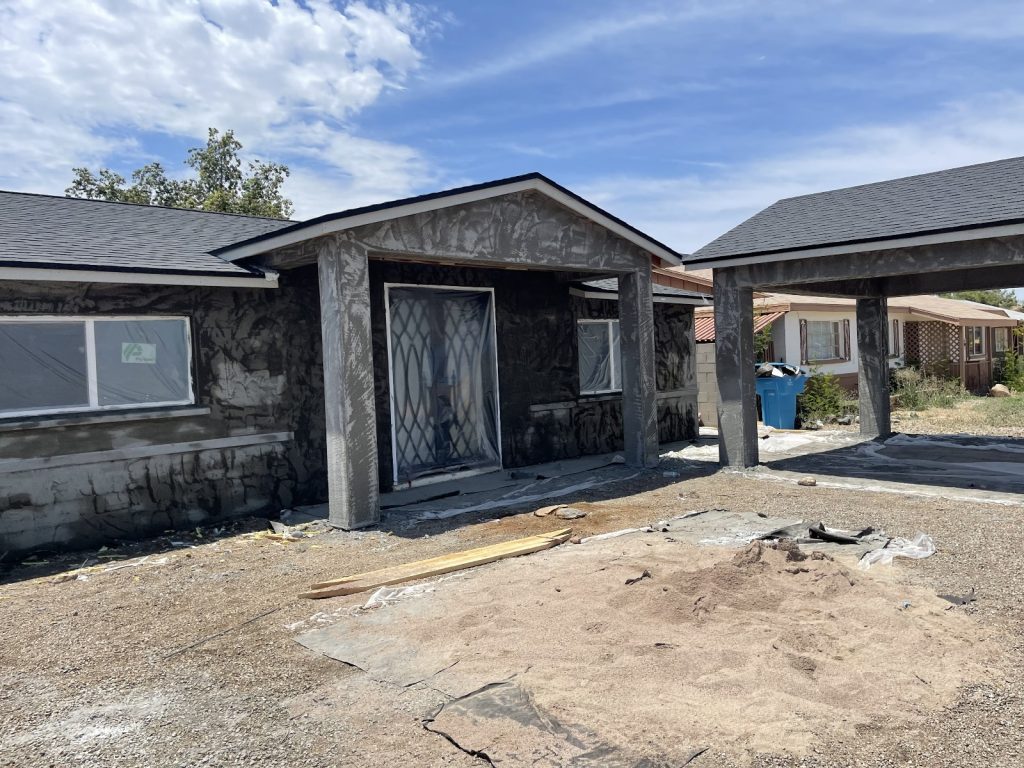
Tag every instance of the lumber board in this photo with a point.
(436, 566)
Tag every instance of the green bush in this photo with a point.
(822, 399)
(916, 391)
(1011, 371)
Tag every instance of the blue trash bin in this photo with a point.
(778, 398)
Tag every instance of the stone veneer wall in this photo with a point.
(254, 440)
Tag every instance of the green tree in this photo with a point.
(1004, 298)
(218, 183)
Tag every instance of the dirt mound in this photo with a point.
(761, 577)
(761, 650)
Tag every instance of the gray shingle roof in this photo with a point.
(611, 285)
(48, 231)
(960, 198)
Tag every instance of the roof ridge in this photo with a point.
(144, 205)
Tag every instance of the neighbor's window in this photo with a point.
(825, 340)
(62, 364)
(976, 341)
(894, 338)
(599, 359)
(1000, 339)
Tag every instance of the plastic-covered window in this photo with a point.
(42, 366)
(59, 365)
(600, 362)
(141, 362)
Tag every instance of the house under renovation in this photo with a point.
(160, 367)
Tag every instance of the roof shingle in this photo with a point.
(49, 231)
(959, 198)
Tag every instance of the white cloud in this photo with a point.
(77, 72)
(564, 41)
(689, 211)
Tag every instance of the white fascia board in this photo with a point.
(1004, 230)
(35, 274)
(693, 301)
(425, 206)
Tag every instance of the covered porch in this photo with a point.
(905, 237)
(449, 337)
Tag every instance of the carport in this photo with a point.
(958, 229)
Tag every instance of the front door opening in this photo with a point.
(444, 382)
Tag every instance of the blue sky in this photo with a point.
(682, 117)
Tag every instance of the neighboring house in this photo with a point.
(163, 367)
(950, 337)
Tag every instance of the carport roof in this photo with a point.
(958, 200)
(609, 288)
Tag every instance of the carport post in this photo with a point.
(353, 489)
(873, 373)
(734, 367)
(636, 342)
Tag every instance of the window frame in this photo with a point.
(895, 348)
(840, 341)
(614, 356)
(971, 354)
(91, 373)
(1003, 334)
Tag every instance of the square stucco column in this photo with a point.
(639, 396)
(353, 490)
(873, 372)
(734, 369)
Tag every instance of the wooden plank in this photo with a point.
(436, 566)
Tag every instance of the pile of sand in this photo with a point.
(757, 650)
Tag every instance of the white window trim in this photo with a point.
(92, 379)
(970, 342)
(1004, 335)
(613, 358)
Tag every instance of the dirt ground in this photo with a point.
(191, 661)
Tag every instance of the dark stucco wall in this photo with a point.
(543, 416)
(256, 367)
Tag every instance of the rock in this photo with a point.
(845, 420)
(793, 552)
(999, 390)
(808, 482)
(570, 513)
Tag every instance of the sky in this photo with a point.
(683, 118)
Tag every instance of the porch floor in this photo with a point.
(496, 490)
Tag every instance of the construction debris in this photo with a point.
(645, 575)
(965, 599)
(919, 547)
(436, 566)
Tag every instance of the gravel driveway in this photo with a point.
(188, 659)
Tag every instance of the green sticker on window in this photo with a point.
(134, 352)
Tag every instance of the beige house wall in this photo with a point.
(707, 385)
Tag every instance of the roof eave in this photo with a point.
(70, 274)
(331, 223)
(861, 246)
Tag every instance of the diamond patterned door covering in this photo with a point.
(444, 406)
